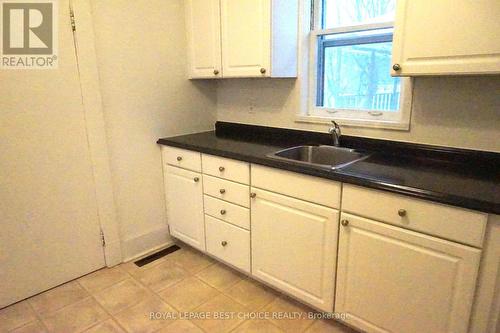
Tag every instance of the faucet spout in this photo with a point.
(336, 133)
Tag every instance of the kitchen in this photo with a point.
(162, 115)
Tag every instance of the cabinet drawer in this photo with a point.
(229, 191)
(228, 243)
(227, 212)
(317, 190)
(236, 171)
(182, 158)
(436, 219)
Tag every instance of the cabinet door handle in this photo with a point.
(223, 212)
(396, 67)
(223, 243)
(222, 191)
(402, 212)
(179, 158)
(196, 179)
(253, 195)
(221, 169)
(345, 223)
(263, 70)
(216, 72)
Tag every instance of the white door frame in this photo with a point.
(96, 128)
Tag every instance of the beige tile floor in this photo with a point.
(184, 283)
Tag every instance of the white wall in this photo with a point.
(141, 52)
(447, 111)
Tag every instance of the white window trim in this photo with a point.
(354, 118)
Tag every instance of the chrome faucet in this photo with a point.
(336, 133)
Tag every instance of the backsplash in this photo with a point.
(462, 112)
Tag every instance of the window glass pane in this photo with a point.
(361, 35)
(339, 13)
(358, 77)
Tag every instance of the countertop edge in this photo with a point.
(452, 200)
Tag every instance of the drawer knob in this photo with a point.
(253, 195)
(196, 179)
(223, 212)
(223, 243)
(402, 212)
(222, 191)
(179, 158)
(221, 169)
(345, 223)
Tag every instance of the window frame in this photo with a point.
(351, 117)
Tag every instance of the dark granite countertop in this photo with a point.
(463, 178)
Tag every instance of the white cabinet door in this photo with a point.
(185, 206)
(447, 37)
(246, 38)
(294, 245)
(395, 280)
(204, 44)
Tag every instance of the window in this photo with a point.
(351, 49)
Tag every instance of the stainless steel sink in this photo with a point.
(329, 157)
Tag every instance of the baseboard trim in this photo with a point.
(146, 244)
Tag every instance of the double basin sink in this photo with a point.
(328, 157)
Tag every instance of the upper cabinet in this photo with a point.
(203, 30)
(242, 38)
(246, 32)
(446, 37)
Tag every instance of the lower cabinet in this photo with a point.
(228, 243)
(294, 245)
(395, 280)
(184, 193)
(390, 276)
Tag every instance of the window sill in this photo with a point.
(380, 124)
